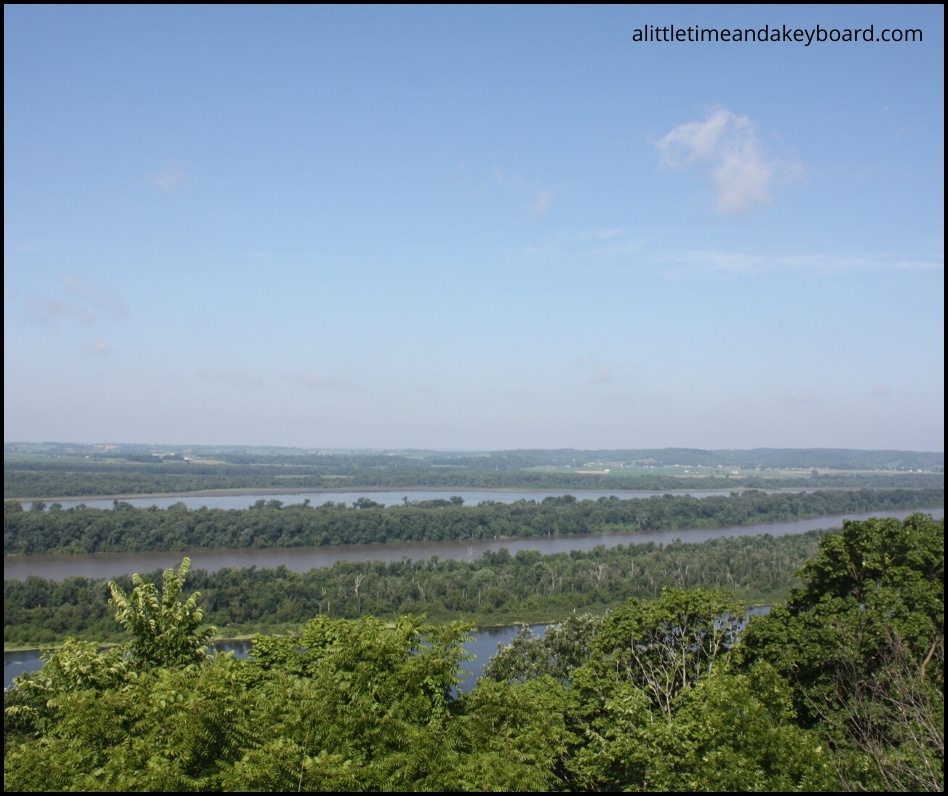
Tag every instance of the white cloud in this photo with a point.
(596, 371)
(504, 180)
(84, 303)
(112, 303)
(736, 263)
(43, 309)
(170, 179)
(540, 202)
(726, 144)
(98, 347)
(602, 375)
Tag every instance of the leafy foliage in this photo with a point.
(556, 653)
(165, 630)
(666, 646)
(728, 732)
(862, 642)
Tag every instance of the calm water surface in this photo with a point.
(387, 497)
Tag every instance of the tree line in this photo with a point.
(338, 461)
(77, 477)
(271, 524)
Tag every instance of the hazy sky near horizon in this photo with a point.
(472, 228)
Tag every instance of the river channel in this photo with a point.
(387, 497)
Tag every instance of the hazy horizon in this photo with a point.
(376, 449)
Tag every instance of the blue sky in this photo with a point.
(472, 228)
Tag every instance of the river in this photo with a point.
(303, 559)
(387, 497)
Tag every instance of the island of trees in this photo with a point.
(124, 528)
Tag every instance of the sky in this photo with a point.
(474, 228)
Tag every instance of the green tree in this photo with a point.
(167, 730)
(862, 644)
(728, 732)
(556, 653)
(355, 704)
(665, 646)
(76, 666)
(657, 705)
(166, 630)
